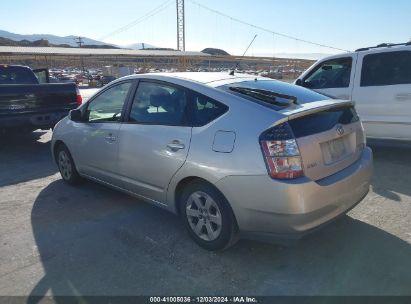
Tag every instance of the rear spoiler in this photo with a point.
(311, 108)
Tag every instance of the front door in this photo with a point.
(97, 137)
(154, 142)
(333, 77)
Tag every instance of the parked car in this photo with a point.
(28, 102)
(377, 78)
(232, 155)
(67, 79)
(106, 80)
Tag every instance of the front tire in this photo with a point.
(208, 217)
(66, 166)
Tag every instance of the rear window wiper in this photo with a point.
(267, 96)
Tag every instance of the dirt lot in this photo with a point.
(60, 240)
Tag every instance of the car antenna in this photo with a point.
(238, 62)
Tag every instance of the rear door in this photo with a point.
(383, 93)
(155, 139)
(96, 141)
(333, 77)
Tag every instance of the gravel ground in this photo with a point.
(90, 240)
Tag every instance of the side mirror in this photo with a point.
(299, 82)
(76, 115)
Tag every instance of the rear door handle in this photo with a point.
(175, 145)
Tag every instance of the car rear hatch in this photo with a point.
(329, 135)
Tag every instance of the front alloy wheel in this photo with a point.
(66, 165)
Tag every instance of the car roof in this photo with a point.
(371, 50)
(212, 79)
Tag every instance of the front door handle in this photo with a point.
(403, 96)
(110, 137)
(175, 145)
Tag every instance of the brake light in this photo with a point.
(79, 99)
(281, 153)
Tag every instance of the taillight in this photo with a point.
(79, 99)
(281, 153)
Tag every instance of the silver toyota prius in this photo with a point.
(232, 155)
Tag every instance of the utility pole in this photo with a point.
(180, 25)
(79, 41)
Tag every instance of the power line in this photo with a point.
(264, 29)
(150, 14)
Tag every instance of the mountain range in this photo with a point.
(66, 40)
(14, 39)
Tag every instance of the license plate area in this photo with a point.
(335, 150)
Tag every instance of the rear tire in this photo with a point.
(208, 217)
(66, 166)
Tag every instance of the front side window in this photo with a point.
(386, 69)
(335, 73)
(159, 104)
(108, 106)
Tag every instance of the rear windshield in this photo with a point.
(273, 93)
(16, 75)
(323, 121)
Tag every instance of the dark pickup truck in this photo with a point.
(28, 102)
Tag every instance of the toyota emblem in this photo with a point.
(340, 130)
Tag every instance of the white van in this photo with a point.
(377, 79)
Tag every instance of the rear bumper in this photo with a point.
(32, 120)
(293, 208)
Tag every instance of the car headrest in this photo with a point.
(202, 101)
(159, 100)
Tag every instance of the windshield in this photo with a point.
(273, 93)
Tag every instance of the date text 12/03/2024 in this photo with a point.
(239, 299)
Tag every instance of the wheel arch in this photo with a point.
(180, 187)
(56, 144)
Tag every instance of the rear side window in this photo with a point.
(334, 73)
(16, 75)
(205, 109)
(386, 69)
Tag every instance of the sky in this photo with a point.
(344, 24)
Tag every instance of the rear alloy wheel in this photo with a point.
(208, 216)
(204, 216)
(66, 165)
